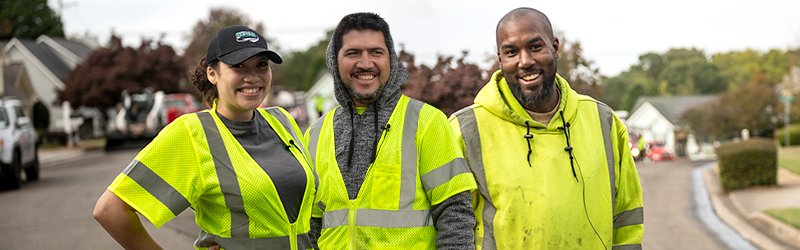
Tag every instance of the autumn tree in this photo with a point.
(101, 78)
(449, 85)
(751, 106)
(300, 69)
(218, 18)
(581, 73)
(28, 19)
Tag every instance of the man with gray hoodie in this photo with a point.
(392, 174)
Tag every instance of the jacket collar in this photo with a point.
(497, 98)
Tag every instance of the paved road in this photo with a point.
(669, 211)
(56, 211)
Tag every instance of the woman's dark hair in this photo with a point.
(207, 90)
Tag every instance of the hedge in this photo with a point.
(794, 135)
(748, 163)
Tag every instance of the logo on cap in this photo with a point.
(246, 36)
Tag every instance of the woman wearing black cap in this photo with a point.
(242, 169)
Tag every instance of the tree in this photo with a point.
(737, 67)
(218, 18)
(446, 86)
(751, 107)
(28, 19)
(579, 71)
(101, 78)
(676, 72)
(299, 70)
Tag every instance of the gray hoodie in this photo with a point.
(355, 148)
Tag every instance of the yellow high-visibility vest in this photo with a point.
(418, 165)
(196, 162)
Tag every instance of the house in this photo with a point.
(14, 81)
(48, 62)
(321, 91)
(657, 119)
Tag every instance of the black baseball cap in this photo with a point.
(235, 44)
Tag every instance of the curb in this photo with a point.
(726, 215)
(777, 228)
(67, 155)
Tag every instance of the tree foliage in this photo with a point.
(299, 69)
(751, 107)
(101, 78)
(578, 70)
(218, 18)
(447, 86)
(676, 72)
(28, 19)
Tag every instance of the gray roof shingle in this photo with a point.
(76, 48)
(48, 58)
(672, 107)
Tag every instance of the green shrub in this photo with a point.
(794, 135)
(748, 163)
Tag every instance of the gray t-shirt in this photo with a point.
(259, 139)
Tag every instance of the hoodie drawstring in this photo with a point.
(352, 135)
(565, 128)
(377, 136)
(528, 138)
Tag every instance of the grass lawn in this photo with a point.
(789, 158)
(789, 215)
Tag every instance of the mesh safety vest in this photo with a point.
(417, 165)
(196, 162)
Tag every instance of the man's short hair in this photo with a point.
(360, 21)
(522, 12)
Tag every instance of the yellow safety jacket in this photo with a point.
(569, 185)
(196, 162)
(417, 165)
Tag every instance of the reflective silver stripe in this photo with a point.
(444, 173)
(408, 180)
(335, 218)
(228, 183)
(275, 112)
(631, 217)
(379, 218)
(393, 219)
(472, 141)
(606, 119)
(313, 137)
(628, 247)
(321, 205)
(207, 240)
(156, 186)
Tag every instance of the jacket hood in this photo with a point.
(356, 135)
(390, 93)
(497, 98)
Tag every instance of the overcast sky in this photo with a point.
(613, 33)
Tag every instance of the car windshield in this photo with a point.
(3, 118)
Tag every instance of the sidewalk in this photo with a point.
(52, 156)
(743, 209)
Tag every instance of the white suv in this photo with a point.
(17, 144)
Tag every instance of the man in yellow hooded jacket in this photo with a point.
(553, 167)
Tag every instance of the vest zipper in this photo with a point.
(352, 224)
(293, 235)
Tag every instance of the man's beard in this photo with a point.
(367, 98)
(531, 99)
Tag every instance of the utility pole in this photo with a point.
(791, 85)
